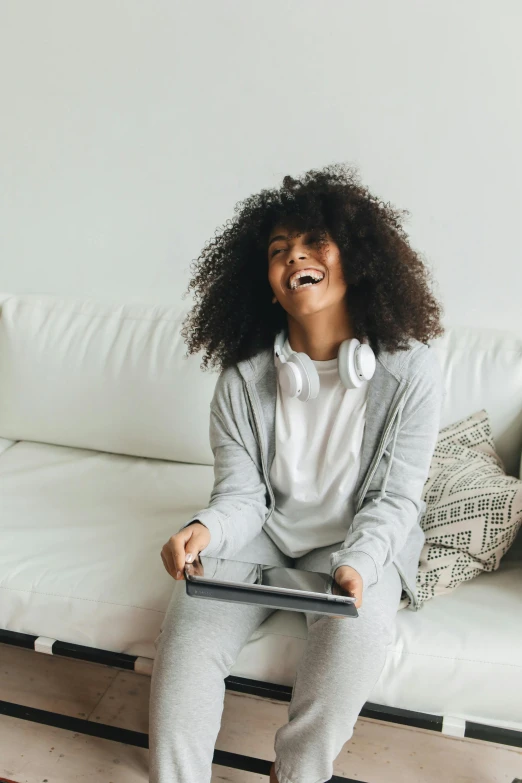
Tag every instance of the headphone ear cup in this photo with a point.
(346, 363)
(290, 379)
(309, 375)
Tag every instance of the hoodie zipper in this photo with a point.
(379, 452)
(367, 480)
(260, 444)
(371, 471)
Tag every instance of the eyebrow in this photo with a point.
(279, 236)
(282, 236)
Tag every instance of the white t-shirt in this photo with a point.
(316, 462)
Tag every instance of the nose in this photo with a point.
(296, 252)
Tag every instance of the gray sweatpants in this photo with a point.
(199, 641)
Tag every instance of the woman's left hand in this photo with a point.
(351, 581)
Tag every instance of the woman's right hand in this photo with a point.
(184, 547)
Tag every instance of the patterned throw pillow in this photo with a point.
(473, 509)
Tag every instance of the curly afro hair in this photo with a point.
(388, 295)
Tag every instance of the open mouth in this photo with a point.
(304, 283)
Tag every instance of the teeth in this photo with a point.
(313, 273)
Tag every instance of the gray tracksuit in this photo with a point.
(200, 640)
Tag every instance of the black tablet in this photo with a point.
(220, 579)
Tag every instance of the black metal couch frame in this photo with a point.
(235, 684)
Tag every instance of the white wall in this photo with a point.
(129, 131)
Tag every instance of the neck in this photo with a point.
(319, 335)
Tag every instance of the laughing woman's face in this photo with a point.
(291, 255)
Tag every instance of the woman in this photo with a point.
(330, 480)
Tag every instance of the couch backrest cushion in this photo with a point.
(482, 369)
(115, 377)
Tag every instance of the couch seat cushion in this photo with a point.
(82, 533)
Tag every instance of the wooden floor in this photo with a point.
(378, 752)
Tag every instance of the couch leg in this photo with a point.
(453, 726)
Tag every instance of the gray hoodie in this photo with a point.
(403, 414)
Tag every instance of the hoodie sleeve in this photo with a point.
(381, 527)
(237, 508)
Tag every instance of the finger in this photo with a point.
(194, 546)
(177, 547)
(198, 540)
(168, 561)
(350, 589)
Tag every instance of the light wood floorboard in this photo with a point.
(378, 752)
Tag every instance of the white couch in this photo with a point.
(105, 453)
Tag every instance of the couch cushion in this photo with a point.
(95, 375)
(80, 561)
(81, 534)
(482, 369)
(473, 510)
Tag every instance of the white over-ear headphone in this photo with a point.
(299, 378)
